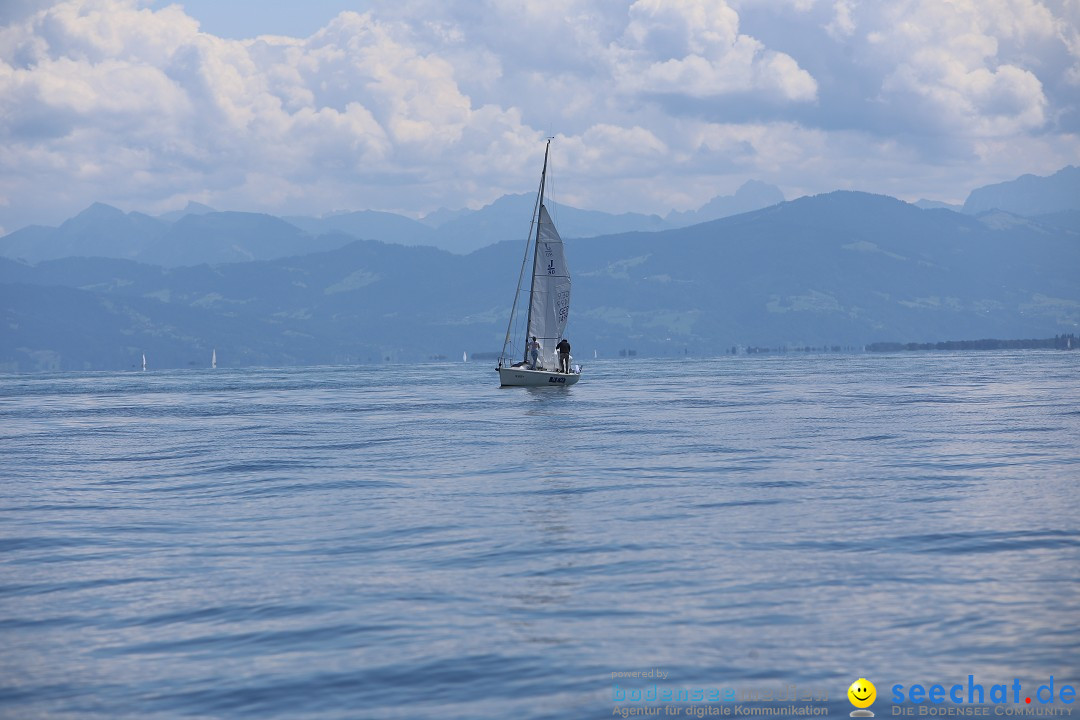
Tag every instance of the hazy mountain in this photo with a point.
(844, 268)
(363, 302)
(369, 225)
(1029, 195)
(192, 208)
(199, 234)
(207, 236)
(938, 205)
(443, 215)
(194, 238)
(840, 268)
(1065, 220)
(99, 230)
(508, 218)
(752, 195)
(223, 237)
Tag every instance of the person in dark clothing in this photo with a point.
(564, 355)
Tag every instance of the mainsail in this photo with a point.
(550, 301)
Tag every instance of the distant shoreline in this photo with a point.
(1058, 342)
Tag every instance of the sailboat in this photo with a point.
(213, 360)
(144, 362)
(548, 308)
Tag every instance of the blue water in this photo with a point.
(414, 542)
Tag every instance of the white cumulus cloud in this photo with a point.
(949, 63)
(415, 104)
(695, 48)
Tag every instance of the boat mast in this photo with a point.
(536, 247)
(521, 275)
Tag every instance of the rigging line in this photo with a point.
(521, 275)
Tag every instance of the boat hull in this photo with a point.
(523, 377)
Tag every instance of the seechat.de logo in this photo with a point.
(862, 694)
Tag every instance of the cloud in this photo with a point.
(415, 104)
(694, 48)
(951, 68)
(128, 93)
(842, 25)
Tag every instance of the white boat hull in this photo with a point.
(524, 377)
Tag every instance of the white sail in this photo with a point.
(550, 303)
(144, 362)
(213, 359)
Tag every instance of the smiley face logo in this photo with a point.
(862, 693)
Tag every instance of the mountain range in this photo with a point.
(201, 234)
(843, 268)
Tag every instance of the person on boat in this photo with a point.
(534, 352)
(564, 355)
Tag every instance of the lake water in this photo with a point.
(415, 542)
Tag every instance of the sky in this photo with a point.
(411, 105)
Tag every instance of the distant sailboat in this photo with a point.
(213, 360)
(464, 356)
(548, 308)
(144, 362)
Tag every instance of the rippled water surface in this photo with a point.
(410, 542)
